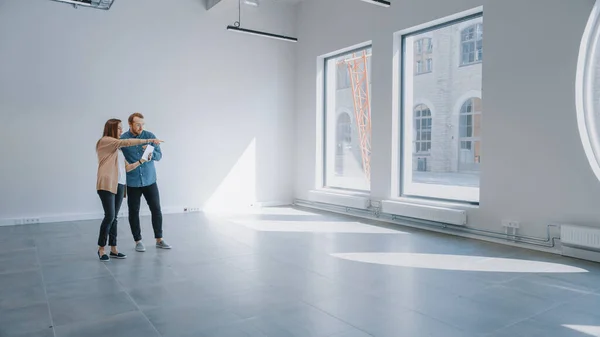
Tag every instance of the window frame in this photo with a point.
(469, 195)
(429, 64)
(475, 117)
(474, 41)
(322, 180)
(419, 130)
(424, 52)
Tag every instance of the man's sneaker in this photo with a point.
(162, 244)
(140, 247)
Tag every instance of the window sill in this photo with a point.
(343, 191)
(440, 212)
(353, 199)
(435, 203)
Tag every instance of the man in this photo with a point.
(142, 181)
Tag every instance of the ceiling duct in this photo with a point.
(98, 4)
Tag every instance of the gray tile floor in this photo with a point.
(275, 274)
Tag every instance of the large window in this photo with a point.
(441, 151)
(347, 145)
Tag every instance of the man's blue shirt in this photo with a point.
(144, 175)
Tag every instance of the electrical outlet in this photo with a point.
(28, 221)
(191, 209)
(511, 223)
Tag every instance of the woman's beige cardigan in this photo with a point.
(108, 156)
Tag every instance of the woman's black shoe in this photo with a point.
(118, 255)
(104, 257)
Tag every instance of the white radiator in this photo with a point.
(580, 236)
(425, 212)
(347, 200)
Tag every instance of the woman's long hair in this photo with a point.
(111, 129)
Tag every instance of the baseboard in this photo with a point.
(85, 216)
(275, 203)
(122, 214)
(54, 218)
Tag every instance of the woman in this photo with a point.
(111, 182)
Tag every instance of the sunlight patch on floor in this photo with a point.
(256, 209)
(460, 262)
(276, 211)
(592, 330)
(313, 226)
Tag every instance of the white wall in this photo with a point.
(535, 169)
(207, 92)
